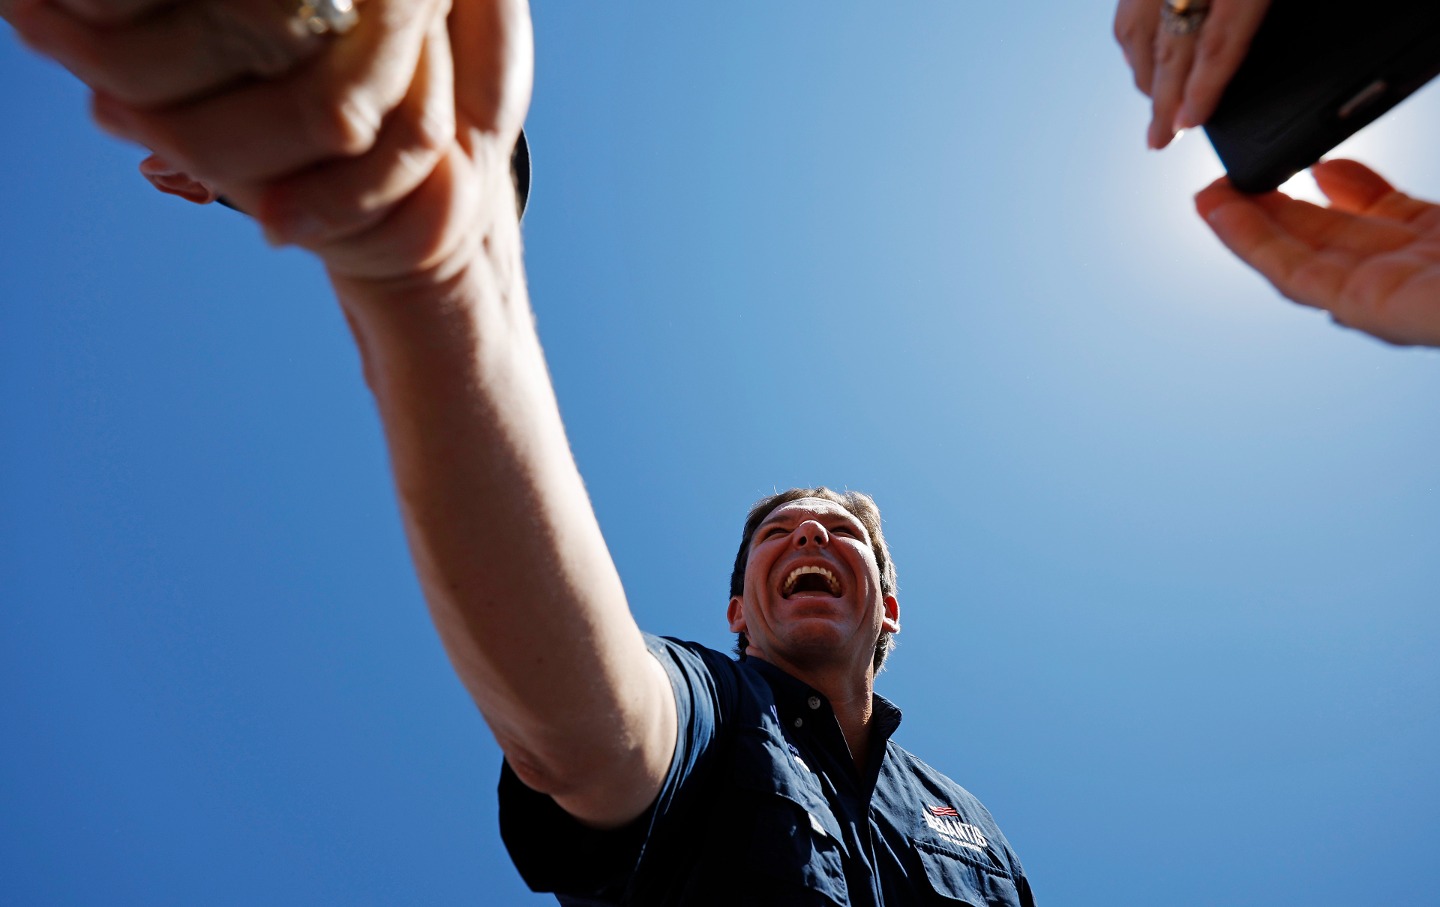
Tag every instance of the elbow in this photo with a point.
(554, 777)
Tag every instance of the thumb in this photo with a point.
(494, 64)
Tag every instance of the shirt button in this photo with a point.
(814, 702)
(799, 722)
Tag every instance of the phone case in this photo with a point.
(1317, 72)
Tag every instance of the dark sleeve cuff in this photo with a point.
(556, 853)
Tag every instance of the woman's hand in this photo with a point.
(1184, 75)
(1371, 259)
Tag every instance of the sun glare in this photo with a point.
(1384, 145)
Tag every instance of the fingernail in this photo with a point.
(182, 185)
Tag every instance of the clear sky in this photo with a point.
(1169, 547)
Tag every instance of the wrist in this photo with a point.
(446, 311)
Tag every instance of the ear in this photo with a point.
(736, 615)
(165, 177)
(891, 623)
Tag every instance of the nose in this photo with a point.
(810, 532)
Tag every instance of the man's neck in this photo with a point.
(851, 698)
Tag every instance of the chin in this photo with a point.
(820, 641)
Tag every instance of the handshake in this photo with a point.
(379, 137)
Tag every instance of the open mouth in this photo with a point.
(810, 579)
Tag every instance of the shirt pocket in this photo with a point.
(794, 854)
(953, 879)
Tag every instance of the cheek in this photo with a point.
(757, 567)
(867, 568)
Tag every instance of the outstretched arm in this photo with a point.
(386, 152)
(1371, 259)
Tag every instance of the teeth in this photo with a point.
(830, 580)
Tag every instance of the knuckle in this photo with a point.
(1167, 53)
(428, 133)
(257, 46)
(347, 126)
(1213, 46)
(1125, 29)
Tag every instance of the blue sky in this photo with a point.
(1167, 544)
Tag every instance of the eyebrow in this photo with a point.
(844, 516)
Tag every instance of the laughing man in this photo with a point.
(637, 770)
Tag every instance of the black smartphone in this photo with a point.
(1317, 72)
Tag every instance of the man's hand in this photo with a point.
(387, 152)
(1371, 259)
(375, 149)
(1184, 75)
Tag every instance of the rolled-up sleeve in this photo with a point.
(556, 853)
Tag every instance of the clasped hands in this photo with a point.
(382, 150)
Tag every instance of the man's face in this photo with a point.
(812, 590)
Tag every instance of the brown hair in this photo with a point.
(862, 507)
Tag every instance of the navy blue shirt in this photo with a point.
(763, 805)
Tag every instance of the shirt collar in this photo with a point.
(795, 697)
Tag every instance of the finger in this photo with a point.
(1304, 274)
(1394, 297)
(171, 180)
(1329, 228)
(1136, 22)
(332, 107)
(412, 240)
(494, 71)
(110, 12)
(11, 8)
(1174, 55)
(1223, 42)
(1353, 187)
(203, 45)
(340, 198)
(1389, 294)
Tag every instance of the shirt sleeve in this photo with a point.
(556, 853)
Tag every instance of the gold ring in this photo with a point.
(326, 17)
(1183, 17)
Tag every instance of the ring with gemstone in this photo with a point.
(1183, 17)
(325, 17)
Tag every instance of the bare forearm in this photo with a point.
(515, 570)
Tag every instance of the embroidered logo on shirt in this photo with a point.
(798, 761)
(945, 821)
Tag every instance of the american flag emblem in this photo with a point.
(943, 811)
